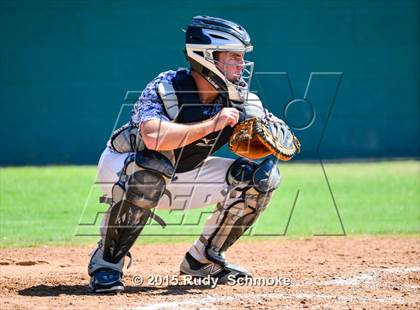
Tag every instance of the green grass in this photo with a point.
(47, 205)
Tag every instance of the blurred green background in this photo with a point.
(66, 67)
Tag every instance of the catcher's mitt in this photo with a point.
(256, 138)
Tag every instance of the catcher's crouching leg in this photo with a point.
(249, 192)
(141, 184)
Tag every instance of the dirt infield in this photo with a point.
(338, 272)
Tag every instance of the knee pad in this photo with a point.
(144, 188)
(244, 174)
(266, 177)
(239, 174)
(143, 179)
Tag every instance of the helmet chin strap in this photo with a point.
(210, 77)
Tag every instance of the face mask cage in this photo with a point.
(237, 76)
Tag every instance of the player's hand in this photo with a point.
(226, 117)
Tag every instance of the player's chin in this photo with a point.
(233, 78)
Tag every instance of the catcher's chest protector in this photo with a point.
(188, 110)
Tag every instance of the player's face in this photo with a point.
(231, 64)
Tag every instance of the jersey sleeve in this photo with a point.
(149, 105)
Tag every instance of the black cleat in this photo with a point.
(223, 273)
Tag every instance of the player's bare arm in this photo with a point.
(165, 136)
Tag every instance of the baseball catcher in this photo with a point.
(165, 152)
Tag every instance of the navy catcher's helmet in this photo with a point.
(206, 35)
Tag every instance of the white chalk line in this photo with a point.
(357, 280)
(199, 301)
(206, 301)
(368, 277)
